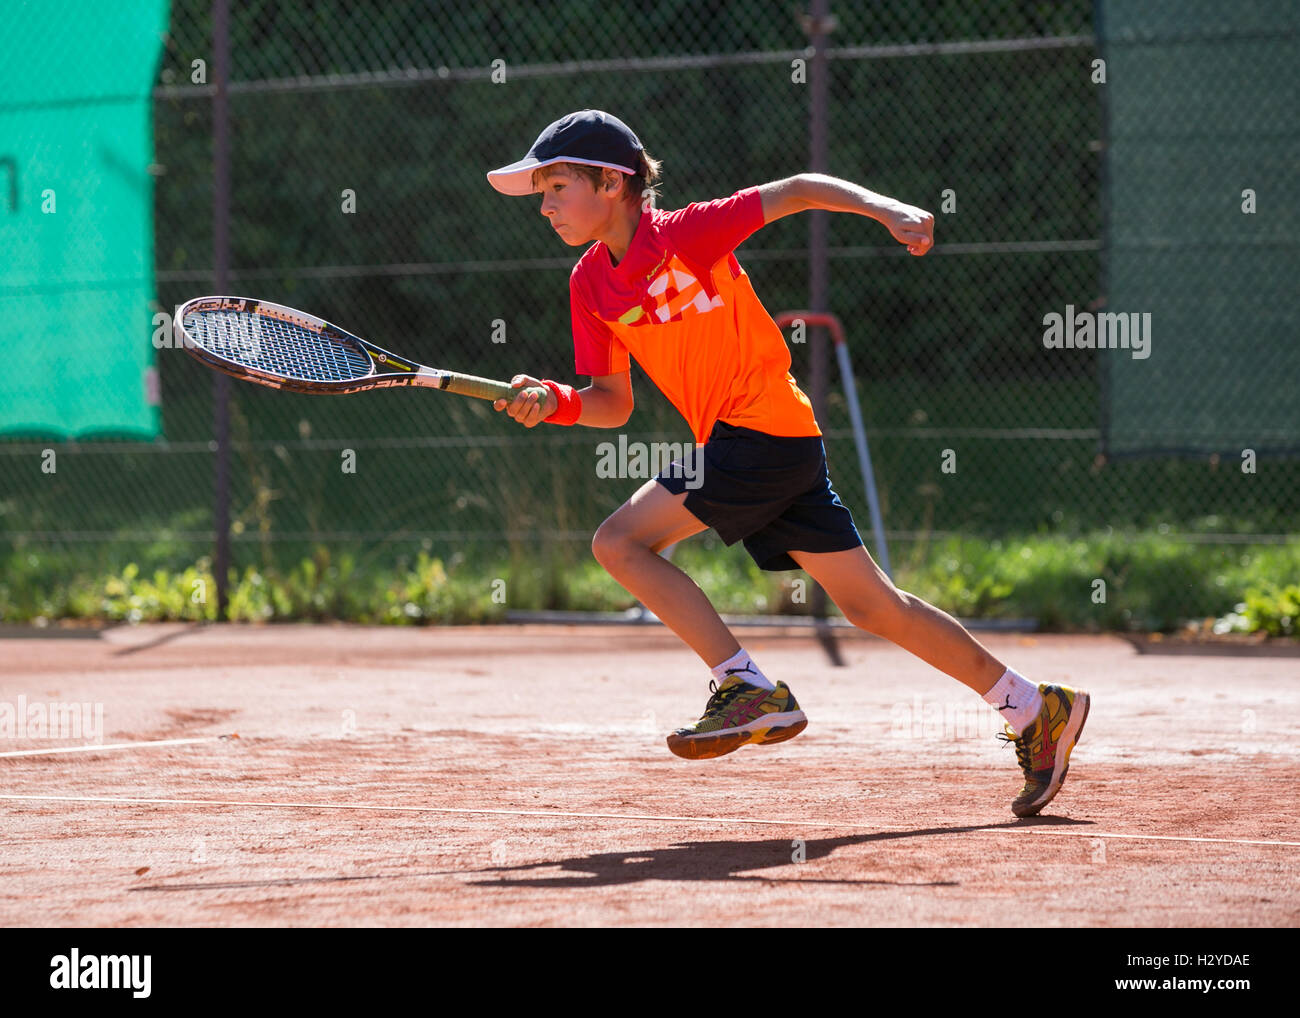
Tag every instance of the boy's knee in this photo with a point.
(609, 545)
(600, 542)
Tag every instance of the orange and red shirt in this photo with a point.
(680, 303)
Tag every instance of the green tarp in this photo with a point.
(1203, 107)
(76, 217)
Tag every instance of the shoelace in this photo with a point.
(720, 697)
(1022, 749)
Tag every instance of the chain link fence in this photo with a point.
(360, 139)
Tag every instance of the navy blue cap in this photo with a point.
(590, 137)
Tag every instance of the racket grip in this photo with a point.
(486, 388)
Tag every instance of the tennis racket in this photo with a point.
(277, 346)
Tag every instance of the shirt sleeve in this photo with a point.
(596, 350)
(708, 231)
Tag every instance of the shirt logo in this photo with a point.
(671, 296)
(657, 267)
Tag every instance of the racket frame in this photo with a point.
(408, 372)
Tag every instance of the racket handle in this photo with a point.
(486, 388)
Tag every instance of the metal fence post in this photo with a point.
(221, 268)
(818, 27)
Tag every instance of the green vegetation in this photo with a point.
(1147, 582)
(1274, 611)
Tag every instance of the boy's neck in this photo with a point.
(622, 230)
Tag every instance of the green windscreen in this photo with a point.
(1203, 103)
(76, 218)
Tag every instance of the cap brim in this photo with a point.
(517, 178)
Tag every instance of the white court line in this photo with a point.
(434, 809)
(621, 816)
(1139, 837)
(118, 745)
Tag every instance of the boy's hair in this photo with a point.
(644, 184)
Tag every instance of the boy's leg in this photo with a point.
(628, 545)
(1047, 727)
(869, 599)
(744, 708)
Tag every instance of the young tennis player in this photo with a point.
(666, 288)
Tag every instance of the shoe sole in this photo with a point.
(764, 731)
(1069, 738)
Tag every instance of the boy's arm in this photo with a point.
(606, 403)
(908, 224)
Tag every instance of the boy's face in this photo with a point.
(578, 212)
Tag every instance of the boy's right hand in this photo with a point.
(911, 226)
(526, 408)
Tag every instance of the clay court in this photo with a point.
(518, 776)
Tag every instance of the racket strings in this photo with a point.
(276, 346)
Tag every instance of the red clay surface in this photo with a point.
(897, 792)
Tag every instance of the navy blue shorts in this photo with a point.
(770, 491)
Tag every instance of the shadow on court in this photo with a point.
(693, 860)
(724, 860)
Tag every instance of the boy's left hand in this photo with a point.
(911, 226)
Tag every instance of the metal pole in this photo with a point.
(784, 319)
(221, 264)
(864, 457)
(818, 25)
(818, 162)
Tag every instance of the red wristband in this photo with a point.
(570, 403)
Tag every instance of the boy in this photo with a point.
(665, 288)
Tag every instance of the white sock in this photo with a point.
(1016, 699)
(742, 664)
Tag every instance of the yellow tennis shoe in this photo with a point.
(738, 713)
(1043, 751)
